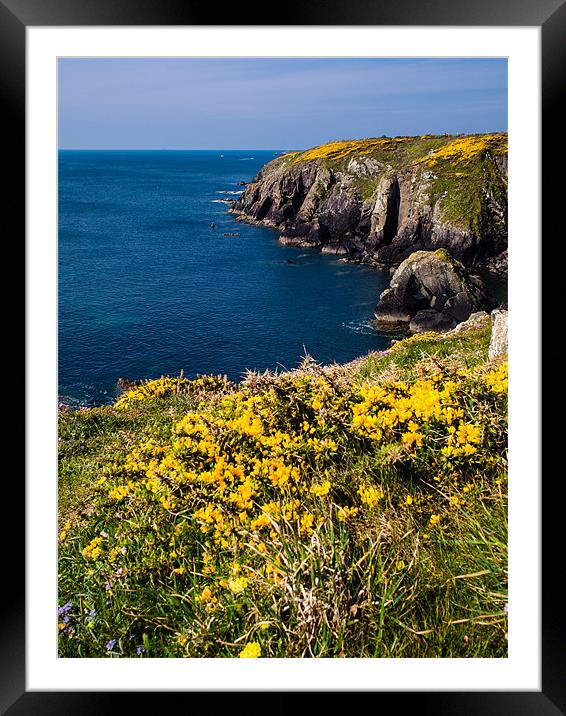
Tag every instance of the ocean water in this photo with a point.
(147, 287)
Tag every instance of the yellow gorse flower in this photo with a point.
(251, 651)
(237, 585)
(462, 150)
(346, 513)
(150, 390)
(93, 550)
(306, 523)
(119, 493)
(321, 490)
(206, 595)
(497, 380)
(370, 495)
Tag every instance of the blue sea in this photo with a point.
(147, 287)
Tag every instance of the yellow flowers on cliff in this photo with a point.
(339, 150)
(462, 440)
(239, 468)
(497, 380)
(165, 386)
(370, 495)
(322, 489)
(206, 595)
(152, 389)
(237, 585)
(347, 513)
(63, 533)
(93, 549)
(306, 523)
(466, 148)
(119, 493)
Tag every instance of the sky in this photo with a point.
(272, 103)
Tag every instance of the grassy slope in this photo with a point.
(367, 544)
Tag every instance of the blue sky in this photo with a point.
(257, 103)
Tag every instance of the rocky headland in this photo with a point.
(379, 200)
(388, 202)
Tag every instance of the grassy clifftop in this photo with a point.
(354, 510)
(463, 170)
(401, 151)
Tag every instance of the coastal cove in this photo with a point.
(148, 287)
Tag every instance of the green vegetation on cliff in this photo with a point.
(462, 171)
(400, 152)
(355, 511)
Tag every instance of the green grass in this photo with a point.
(462, 190)
(292, 513)
(421, 354)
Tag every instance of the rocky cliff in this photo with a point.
(379, 200)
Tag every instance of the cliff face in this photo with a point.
(379, 200)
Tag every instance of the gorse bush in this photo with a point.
(295, 515)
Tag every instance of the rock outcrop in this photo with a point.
(380, 200)
(498, 341)
(475, 321)
(430, 291)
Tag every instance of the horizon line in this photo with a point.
(268, 149)
(168, 149)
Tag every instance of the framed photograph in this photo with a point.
(267, 289)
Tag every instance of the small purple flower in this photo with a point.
(92, 613)
(123, 550)
(66, 619)
(107, 586)
(111, 644)
(107, 602)
(140, 650)
(64, 609)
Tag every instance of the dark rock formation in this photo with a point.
(378, 201)
(430, 320)
(430, 291)
(497, 265)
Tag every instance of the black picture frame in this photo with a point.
(15, 17)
